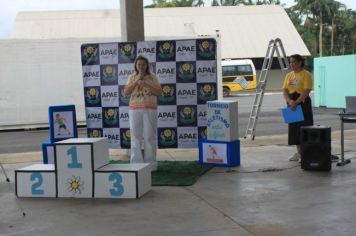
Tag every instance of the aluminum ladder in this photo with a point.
(275, 46)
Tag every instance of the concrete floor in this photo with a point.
(266, 195)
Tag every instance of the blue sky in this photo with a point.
(9, 8)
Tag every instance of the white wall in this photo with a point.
(35, 74)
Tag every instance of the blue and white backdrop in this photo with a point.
(187, 71)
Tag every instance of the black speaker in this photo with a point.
(315, 147)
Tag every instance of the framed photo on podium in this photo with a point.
(62, 122)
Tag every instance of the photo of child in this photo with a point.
(63, 124)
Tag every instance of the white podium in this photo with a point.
(81, 169)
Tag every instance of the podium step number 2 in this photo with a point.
(82, 170)
(36, 180)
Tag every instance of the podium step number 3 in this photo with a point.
(82, 170)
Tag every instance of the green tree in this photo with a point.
(176, 3)
(228, 2)
(184, 3)
(244, 2)
(161, 4)
(268, 2)
(335, 10)
(319, 10)
(346, 32)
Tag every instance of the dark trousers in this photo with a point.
(294, 128)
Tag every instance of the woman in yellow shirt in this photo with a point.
(296, 88)
(143, 88)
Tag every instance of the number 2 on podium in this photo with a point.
(72, 152)
(37, 179)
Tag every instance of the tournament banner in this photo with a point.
(186, 70)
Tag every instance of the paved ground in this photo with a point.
(266, 195)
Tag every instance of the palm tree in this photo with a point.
(319, 9)
(335, 8)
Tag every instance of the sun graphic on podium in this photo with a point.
(75, 185)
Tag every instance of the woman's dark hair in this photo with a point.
(142, 58)
(298, 58)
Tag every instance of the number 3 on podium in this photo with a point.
(118, 189)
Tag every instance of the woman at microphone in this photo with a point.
(143, 88)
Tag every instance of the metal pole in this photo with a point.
(3, 170)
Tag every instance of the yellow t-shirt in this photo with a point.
(298, 81)
(141, 97)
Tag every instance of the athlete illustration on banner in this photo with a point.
(61, 125)
(213, 156)
(213, 152)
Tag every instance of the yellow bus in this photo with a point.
(238, 75)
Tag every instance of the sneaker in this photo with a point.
(295, 157)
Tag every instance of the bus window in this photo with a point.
(228, 70)
(244, 70)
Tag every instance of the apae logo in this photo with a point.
(186, 72)
(207, 69)
(187, 115)
(187, 136)
(92, 96)
(108, 52)
(126, 72)
(111, 117)
(186, 48)
(94, 116)
(167, 115)
(91, 74)
(206, 49)
(109, 74)
(113, 138)
(127, 50)
(187, 92)
(168, 94)
(110, 95)
(163, 71)
(90, 55)
(167, 137)
(146, 50)
(166, 50)
(207, 92)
